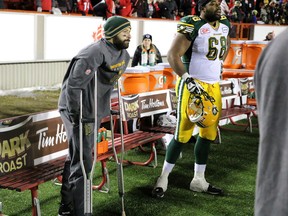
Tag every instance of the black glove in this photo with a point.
(193, 86)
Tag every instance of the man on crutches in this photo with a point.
(108, 58)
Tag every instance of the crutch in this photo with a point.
(88, 177)
(119, 162)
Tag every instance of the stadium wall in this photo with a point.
(36, 48)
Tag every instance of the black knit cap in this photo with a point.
(147, 36)
(114, 25)
(202, 3)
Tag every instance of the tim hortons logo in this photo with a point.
(151, 104)
(47, 141)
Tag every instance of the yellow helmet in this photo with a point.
(201, 110)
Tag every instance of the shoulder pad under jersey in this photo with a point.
(225, 21)
(187, 23)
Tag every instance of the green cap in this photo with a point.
(114, 25)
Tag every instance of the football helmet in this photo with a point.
(201, 109)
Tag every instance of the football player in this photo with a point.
(196, 55)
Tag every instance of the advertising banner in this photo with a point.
(149, 103)
(30, 140)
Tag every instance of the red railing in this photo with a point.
(242, 31)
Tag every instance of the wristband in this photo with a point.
(185, 76)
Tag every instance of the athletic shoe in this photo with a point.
(158, 192)
(200, 185)
(214, 191)
(65, 210)
(160, 187)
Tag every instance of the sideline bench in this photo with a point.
(234, 104)
(37, 142)
(31, 177)
(150, 124)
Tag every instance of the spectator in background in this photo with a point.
(246, 10)
(264, 14)
(84, 6)
(251, 5)
(125, 8)
(73, 6)
(231, 4)
(194, 9)
(139, 8)
(243, 6)
(273, 13)
(112, 7)
(254, 16)
(108, 8)
(168, 9)
(146, 53)
(248, 18)
(282, 13)
(270, 80)
(185, 7)
(152, 9)
(53, 9)
(101, 9)
(64, 6)
(180, 14)
(236, 14)
(156, 5)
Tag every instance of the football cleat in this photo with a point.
(200, 185)
(160, 187)
(158, 192)
(214, 191)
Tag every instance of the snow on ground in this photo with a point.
(28, 92)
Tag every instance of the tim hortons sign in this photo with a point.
(30, 140)
(148, 103)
